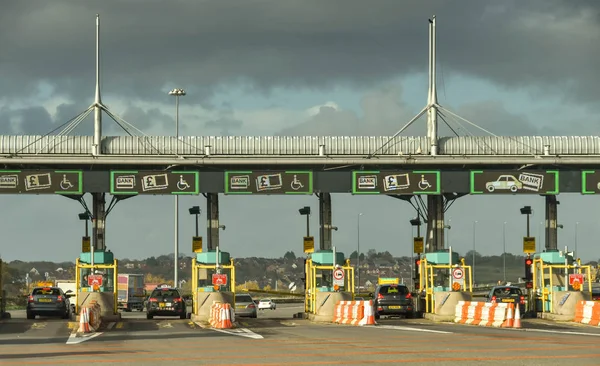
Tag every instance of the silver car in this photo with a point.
(245, 306)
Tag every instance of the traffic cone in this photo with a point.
(509, 322)
(84, 321)
(517, 323)
(369, 316)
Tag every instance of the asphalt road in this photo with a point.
(275, 338)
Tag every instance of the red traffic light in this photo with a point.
(528, 262)
(418, 262)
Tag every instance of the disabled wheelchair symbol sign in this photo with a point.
(296, 184)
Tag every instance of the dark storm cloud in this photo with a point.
(384, 114)
(198, 45)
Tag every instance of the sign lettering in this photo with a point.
(396, 182)
(268, 182)
(41, 181)
(514, 182)
(154, 182)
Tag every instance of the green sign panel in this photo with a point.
(396, 182)
(590, 182)
(154, 182)
(269, 182)
(514, 182)
(41, 181)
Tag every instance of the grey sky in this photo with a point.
(539, 50)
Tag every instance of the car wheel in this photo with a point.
(30, 315)
(490, 188)
(513, 188)
(149, 317)
(183, 316)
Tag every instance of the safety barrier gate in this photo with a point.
(427, 276)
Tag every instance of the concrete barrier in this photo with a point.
(485, 314)
(354, 313)
(587, 312)
(325, 305)
(104, 299)
(446, 301)
(565, 302)
(205, 300)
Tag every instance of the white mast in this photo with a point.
(96, 149)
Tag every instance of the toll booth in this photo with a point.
(443, 276)
(328, 280)
(557, 273)
(213, 279)
(97, 281)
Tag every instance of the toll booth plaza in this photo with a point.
(329, 280)
(446, 281)
(559, 283)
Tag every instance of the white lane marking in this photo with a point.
(110, 325)
(74, 338)
(555, 331)
(399, 327)
(242, 332)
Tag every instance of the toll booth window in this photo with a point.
(46, 291)
(393, 290)
(165, 293)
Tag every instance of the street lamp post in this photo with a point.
(176, 93)
(358, 250)
(473, 264)
(576, 232)
(195, 211)
(504, 249)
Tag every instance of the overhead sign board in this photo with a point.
(309, 244)
(197, 244)
(418, 245)
(269, 182)
(41, 181)
(514, 182)
(154, 182)
(396, 182)
(528, 244)
(590, 182)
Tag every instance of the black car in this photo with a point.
(166, 301)
(507, 294)
(49, 301)
(393, 300)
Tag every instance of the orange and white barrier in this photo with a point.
(587, 312)
(221, 315)
(354, 313)
(487, 314)
(89, 318)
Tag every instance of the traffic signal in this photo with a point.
(417, 266)
(528, 272)
(417, 278)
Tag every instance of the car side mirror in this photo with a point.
(68, 292)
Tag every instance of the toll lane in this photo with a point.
(273, 339)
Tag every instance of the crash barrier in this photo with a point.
(486, 314)
(587, 312)
(354, 313)
(89, 318)
(221, 316)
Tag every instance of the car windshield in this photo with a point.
(243, 298)
(393, 290)
(46, 291)
(165, 293)
(507, 291)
